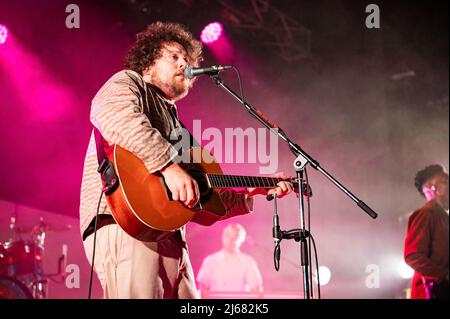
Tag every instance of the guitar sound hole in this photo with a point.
(200, 178)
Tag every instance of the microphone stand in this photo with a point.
(301, 160)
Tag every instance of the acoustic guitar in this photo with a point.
(142, 205)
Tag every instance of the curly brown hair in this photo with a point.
(147, 47)
(425, 174)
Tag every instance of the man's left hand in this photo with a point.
(283, 188)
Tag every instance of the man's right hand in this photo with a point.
(182, 186)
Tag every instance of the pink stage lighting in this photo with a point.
(3, 34)
(211, 32)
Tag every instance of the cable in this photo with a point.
(93, 250)
(317, 266)
(240, 83)
(276, 256)
(308, 202)
(311, 238)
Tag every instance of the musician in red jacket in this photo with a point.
(427, 240)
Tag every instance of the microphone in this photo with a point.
(276, 232)
(277, 235)
(191, 72)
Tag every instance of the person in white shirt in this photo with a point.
(229, 269)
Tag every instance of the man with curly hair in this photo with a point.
(136, 109)
(427, 240)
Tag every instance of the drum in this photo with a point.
(11, 288)
(3, 262)
(20, 258)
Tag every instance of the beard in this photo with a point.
(179, 88)
(174, 87)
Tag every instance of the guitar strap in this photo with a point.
(99, 143)
(105, 166)
(106, 170)
(193, 141)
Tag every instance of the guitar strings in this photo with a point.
(218, 180)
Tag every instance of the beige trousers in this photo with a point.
(128, 268)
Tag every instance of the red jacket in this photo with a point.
(427, 246)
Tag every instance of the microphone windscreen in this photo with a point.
(188, 72)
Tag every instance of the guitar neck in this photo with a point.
(231, 181)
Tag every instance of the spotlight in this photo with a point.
(211, 32)
(324, 275)
(3, 34)
(404, 270)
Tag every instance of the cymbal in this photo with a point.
(45, 228)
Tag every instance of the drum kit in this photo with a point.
(21, 262)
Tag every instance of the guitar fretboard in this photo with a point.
(229, 181)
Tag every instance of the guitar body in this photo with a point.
(142, 204)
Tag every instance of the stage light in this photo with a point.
(3, 34)
(324, 275)
(211, 33)
(404, 270)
